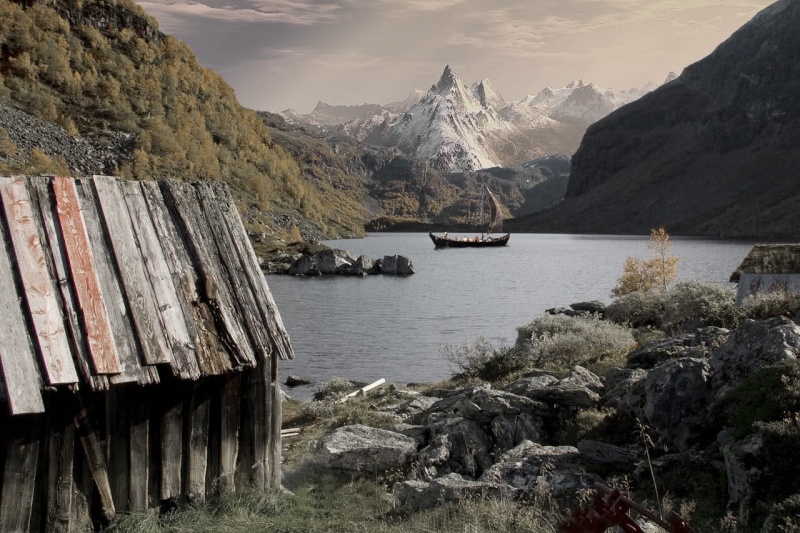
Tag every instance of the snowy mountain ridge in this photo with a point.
(454, 127)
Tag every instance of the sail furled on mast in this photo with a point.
(495, 213)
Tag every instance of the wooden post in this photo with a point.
(139, 451)
(60, 480)
(97, 463)
(197, 452)
(19, 474)
(277, 421)
(117, 452)
(229, 431)
(171, 443)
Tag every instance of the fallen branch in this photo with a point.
(363, 390)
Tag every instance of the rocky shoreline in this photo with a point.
(662, 422)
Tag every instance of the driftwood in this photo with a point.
(363, 390)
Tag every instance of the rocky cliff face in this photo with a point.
(713, 152)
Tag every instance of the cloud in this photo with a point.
(172, 16)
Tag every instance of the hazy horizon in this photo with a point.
(280, 54)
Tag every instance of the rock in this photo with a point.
(625, 389)
(363, 451)
(296, 381)
(396, 264)
(457, 445)
(563, 393)
(607, 454)
(419, 495)
(412, 409)
(594, 307)
(678, 394)
(522, 466)
(742, 462)
(333, 261)
(753, 345)
(582, 377)
(698, 344)
(366, 265)
(420, 434)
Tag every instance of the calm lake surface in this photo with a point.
(394, 327)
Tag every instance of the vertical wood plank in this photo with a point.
(216, 284)
(276, 416)
(229, 431)
(20, 372)
(97, 464)
(60, 480)
(130, 263)
(171, 444)
(226, 208)
(210, 355)
(85, 278)
(117, 452)
(139, 452)
(19, 472)
(46, 207)
(184, 362)
(197, 452)
(110, 284)
(258, 425)
(37, 283)
(247, 471)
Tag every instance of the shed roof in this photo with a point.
(106, 281)
(770, 259)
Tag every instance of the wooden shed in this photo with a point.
(138, 350)
(768, 268)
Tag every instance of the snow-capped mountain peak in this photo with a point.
(488, 95)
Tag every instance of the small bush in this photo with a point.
(480, 359)
(638, 310)
(561, 342)
(694, 301)
(777, 303)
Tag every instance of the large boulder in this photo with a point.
(753, 345)
(678, 395)
(363, 451)
(457, 445)
(568, 393)
(625, 389)
(302, 266)
(417, 495)
(334, 261)
(396, 264)
(743, 465)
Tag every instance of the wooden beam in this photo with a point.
(229, 431)
(60, 461)
(197, 445)
(130, 263)
(171, 444)
(37, 283)
(85, 278)
(138, 490)
(117, 452)
(97, 463)
(23, 434)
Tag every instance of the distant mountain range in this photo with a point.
(454, 127)
(715, 152)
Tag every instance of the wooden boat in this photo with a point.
(443, 241)
(485, 240)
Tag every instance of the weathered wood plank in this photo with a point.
(234, 271)
(276, 417)
(171, 444)
(139, 452)
(20, 372)
(44, 205)
(210, 356)
(37, 283)
(97, 464)
(216, 285)
(197, 452)
(246, 470)
(60, 481)
(130, 263)
(85, 278)
(117, 452)
(116, 306)
(258, 425)
(184, 362)
(230, 400)
(270, 315)
(23, 434)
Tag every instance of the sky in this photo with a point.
(280, 54)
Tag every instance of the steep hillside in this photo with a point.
(714, 152)
(102, 71)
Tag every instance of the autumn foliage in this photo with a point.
(647, 276)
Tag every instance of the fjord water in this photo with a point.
(394, 327)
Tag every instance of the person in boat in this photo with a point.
(476, 239)
(444, 236)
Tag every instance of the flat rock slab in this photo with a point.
(363, 450)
